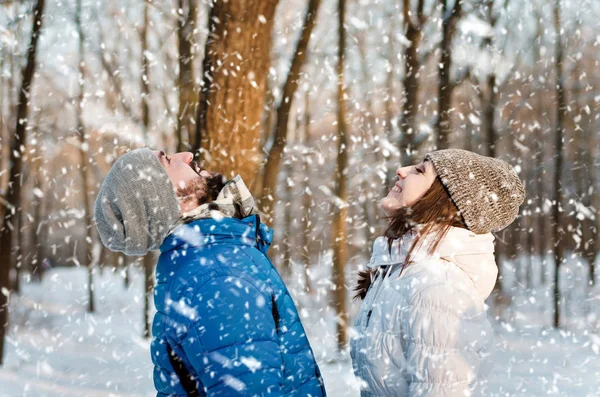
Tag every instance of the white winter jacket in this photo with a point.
(425, 332)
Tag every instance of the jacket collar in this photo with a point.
(248, 230)
(472, 253)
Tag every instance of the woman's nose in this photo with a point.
(401, 173)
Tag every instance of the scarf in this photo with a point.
(233, 201)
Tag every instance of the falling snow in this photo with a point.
(504, 102)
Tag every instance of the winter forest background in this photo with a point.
(316, 116)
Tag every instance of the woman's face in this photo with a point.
(413, 182)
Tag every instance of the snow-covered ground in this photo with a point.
(55, 348)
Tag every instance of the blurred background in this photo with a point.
(315, 103)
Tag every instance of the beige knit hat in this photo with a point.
(487, 191)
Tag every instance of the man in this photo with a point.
(225, 323)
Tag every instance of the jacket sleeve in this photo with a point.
(231, 342)
(447, 337)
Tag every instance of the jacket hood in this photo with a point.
(472, 253)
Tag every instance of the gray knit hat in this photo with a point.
(487, 191)
(136, 205)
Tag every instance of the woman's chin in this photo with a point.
(390, 204)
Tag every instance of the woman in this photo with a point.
(422, 329)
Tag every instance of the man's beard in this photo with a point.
(214, 185)
(202, 190)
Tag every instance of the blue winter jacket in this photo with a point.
(225, 323)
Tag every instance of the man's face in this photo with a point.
(193, 185)
(180, 167)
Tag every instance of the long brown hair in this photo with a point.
(435, 213)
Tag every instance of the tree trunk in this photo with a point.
(235, 66)
(186, 95)
(558, 192)
(529, 220)
(271, 170)
(594, 197)
(489, 98)
(15, 166)
(541, 218)
(369, 156)
(90, 283)
(445, 86)
(267, 128)
(36, 268)
(104, 253)
(390, 74)
(389, 110)
(489, 112)
(16, 284)
(489, 115)
(286, 265)
(126, 278)
(410, 81)
(188, 98)
(540, 157)
(3, 127)
(574, 153)
(145, 79)
(148, 290)
(83, 155)
(374, 156)
(37, 225)
(583, 148)
(340, 215)
(120, 261)
(306, 196)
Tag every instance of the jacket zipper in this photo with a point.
(369, 315)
